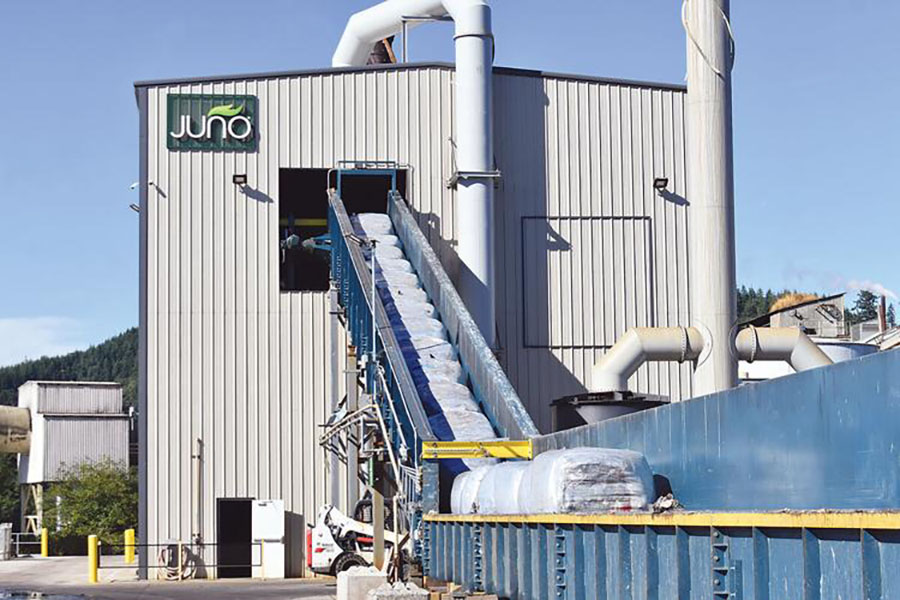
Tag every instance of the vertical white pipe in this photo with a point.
(475, 156)
(710, 191)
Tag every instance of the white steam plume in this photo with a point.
(871, 286)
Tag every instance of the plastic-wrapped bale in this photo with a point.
(442, 370)
(387, 239)
(453, 396)
(386, 252)
(464, 493)
(427, 347)
(418, 327)
(412, 308)
(394, 264)
(498, 493)
(397, 280)
(373, 223)
(586, 480)
(392, 294)
(469, 426)
(464, 426)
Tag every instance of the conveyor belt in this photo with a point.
(443, 382)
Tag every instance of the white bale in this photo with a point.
(397, 280)
(586, 480)
(442, 370)
(385, 252)
(424, 327)
(414, 308)
(394, 264)
(432, 348)
(464, 493)
(468, 426)
(498, 493)
(404, 292)
(453, 396)
(385, 238)
(356, 582)
(373, 223)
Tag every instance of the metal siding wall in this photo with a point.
(244, 367)
(68, 441)
(583, 155)
(231, 359)
(79, 398)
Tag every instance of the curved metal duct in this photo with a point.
(780, 343)
(640, 345)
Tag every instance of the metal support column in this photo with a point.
(334, 310)
(354, 435)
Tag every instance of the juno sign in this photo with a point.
(211, 122)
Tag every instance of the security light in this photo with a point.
(660, 183)
(239, 179)
(133, 185)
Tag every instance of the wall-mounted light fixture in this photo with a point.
(660, 183)
(135, 208)
(239, 179)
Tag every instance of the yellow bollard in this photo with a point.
(45, 543)
(129, 546)
(93, 558)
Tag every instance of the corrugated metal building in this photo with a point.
(586, 248)
(71, 422)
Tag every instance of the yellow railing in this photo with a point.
(491, 449)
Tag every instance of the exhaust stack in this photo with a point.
(710, 190)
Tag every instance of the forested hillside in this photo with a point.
(113, 360)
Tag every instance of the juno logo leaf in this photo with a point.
(225, 110)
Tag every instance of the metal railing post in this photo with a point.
(262, 559)
(180, 560)
(93, 558)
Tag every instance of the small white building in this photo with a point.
(72, 423)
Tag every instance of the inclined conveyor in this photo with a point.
(427, 364)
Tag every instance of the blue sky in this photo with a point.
(815, 110)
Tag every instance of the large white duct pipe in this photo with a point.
(780, 343)
(474, 130)
(15, 430)
(710, 190)
(373, 24)
(640, 345)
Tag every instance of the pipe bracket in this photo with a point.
(457, 175)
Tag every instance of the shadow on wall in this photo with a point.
(523, 279)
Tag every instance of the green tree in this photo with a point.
(9, 490)
(99, 498)
(891, 316)
(864, 309)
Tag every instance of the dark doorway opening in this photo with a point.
(234, 528)
(303, 212)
